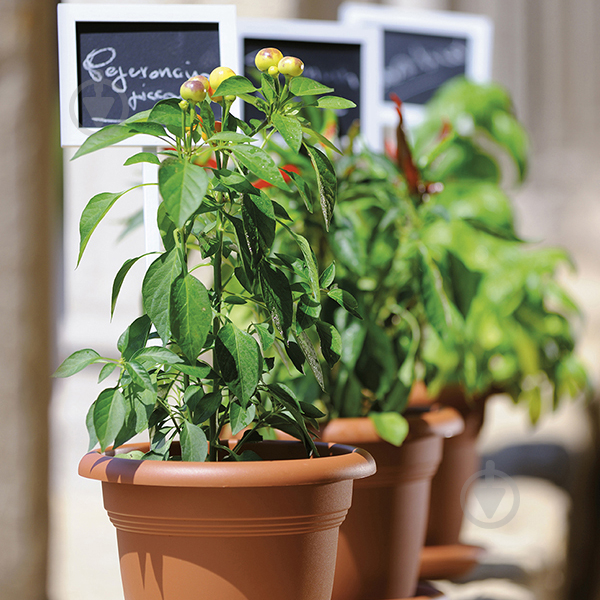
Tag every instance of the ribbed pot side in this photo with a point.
(381, 539)
(229, 531)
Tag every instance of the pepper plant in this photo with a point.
(199, 360)
(426, 243)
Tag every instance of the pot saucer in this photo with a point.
(449, 561)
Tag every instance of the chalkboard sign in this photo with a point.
(416, 65)
(114, 83)
(422, 50)
(336, 55)
(116, 60)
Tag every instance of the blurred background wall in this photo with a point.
(545, 53)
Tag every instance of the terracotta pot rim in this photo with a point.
(338, 462)
(440, 421)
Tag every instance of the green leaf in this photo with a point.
(258, 217)
(353, 332)
(106, 371)
(139, 117)
(156, 290)
(158, 355)
(109, 416)
(168, 113)
(76, 362)
(277, 295)
(166, 227)
(235, 300)
(311, 357)
(290, 129)
(287, 398)
(120, 277)
(240, 361)
(134, 337)
(244, 251)
(200, 370)
(230, 136)
(267, 87)
(303, 86)
(308, 310)
(92, 214)
(236, 181)
(183, 186)
(265, 334)
(331, 342)
(321, 138)
(296, 355)
(142, 157)
(107, 136)
(335, 102)
(194, 445)
(284, 393)
(327, 276)
(509, 133)
(258, 162)
(139, 405)
(202, 406)
(435, 300)
(191, 315)
(139, 375)
(234, 86)
(89, 423)
(147, 128)
(346, 300)
(326, 181)
(312, 271)
(390, 426)
(303, 189)
(240, 417)
(310, 410)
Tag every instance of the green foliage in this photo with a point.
(217, 346)
(447, 290)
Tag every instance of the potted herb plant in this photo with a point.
(196, 514)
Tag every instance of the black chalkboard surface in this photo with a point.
(124, 68)
(334, 64)
(415, 64)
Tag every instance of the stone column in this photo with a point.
(29, 168)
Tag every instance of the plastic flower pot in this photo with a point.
(229, 530)
(381, 540)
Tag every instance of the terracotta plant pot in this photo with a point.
(460, 461)
(229, 530)
(381, 540)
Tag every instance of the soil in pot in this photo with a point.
(382, 537)
(229, 531)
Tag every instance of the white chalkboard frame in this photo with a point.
(304, 30)
(70, 14)
(478, 30)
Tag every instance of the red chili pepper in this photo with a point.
(403, 153)
(261, 183)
